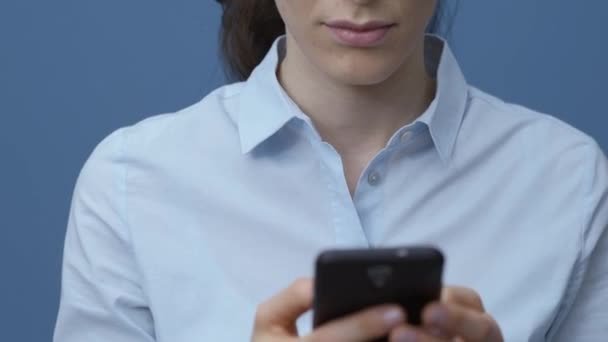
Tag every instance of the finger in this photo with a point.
(463, 296)
(365, 325)
(407, 333)
(456, 320)
(283, 309)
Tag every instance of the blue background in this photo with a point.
(72, 71)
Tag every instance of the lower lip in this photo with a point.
(367, 38)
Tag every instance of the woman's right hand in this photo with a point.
(275, 319)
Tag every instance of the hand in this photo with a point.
(275, 319)
(459, 316)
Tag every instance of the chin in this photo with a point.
(361, 75)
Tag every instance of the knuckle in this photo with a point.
(447, 293)
(262, 314)
(476, 299)
(300, 285)
(454, 292)
(468, 295)
(486, 328)
(370, 321)
(456, 320)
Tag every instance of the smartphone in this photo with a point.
(350, 280)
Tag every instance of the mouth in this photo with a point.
(368, 34)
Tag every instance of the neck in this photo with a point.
(354, 118)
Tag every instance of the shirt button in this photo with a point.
(373, 178)
(405, 136)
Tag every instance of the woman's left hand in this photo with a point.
(459, 316)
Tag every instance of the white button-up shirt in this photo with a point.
(182, 223)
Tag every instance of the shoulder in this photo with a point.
(211, 117)
(523, 122)
(537, 135)
(208, 121)
(537, 148)
(200, 131)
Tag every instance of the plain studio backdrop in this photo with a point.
(72, 71)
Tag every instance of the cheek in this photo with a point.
(295, 13)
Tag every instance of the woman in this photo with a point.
(356, 129)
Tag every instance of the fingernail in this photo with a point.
(393, 316)
(405, 336)
(437, 316)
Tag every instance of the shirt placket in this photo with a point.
(347, 225)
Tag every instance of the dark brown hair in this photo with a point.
(249, 27)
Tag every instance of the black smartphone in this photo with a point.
(350, 280)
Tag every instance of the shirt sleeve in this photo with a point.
(101, 294)
(587, 317)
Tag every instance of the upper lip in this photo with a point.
(349, 25)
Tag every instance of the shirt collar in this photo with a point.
(444, 115)
(264, 108)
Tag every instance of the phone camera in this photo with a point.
(380, 275)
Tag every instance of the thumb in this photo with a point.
(282, 310)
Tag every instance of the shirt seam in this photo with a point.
(579, 270)
(127, 226)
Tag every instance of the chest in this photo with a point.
(234, 238)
